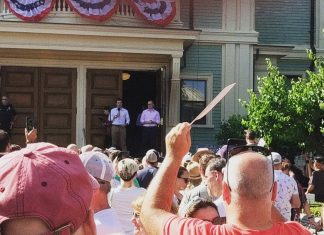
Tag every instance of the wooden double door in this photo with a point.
(103, 88)
(48, 96)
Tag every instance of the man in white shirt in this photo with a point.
(100, 167)
(121, 198)
(119, 119)
(287, 191)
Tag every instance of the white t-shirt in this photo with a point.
(107, 222)
(220, 206)
(287, 187)
(121, 200)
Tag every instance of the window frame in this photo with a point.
(208, 77)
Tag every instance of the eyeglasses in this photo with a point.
(252, 148)
(186, 180)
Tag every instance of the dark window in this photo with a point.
(291, 78)
(193, 100)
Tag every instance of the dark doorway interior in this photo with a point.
(141, 87)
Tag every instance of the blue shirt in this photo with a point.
(119, 117)
(145, 176)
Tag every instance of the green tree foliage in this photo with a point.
(289, 113)
(232, 128)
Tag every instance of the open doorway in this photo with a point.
(137, 90)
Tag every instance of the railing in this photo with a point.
(61, 10)
(124, 9)
(61, 6)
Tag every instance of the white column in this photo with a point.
(174, 101)
(319, 30)
(238, 17)
(81, 105)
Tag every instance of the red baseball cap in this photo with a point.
(47, 182)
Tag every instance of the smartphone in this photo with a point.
(232, 143)
(29, 123)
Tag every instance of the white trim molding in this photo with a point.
(221, 37)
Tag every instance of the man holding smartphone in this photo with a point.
(119, 118)
(7, 115)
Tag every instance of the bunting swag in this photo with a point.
(94, 9)
(30, 10)
(159, 12)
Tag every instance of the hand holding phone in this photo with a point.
(31, 136)
(29, 124)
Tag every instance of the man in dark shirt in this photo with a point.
(145, 176)
(317, 180)
(7, 115)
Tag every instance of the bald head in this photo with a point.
(250, 175)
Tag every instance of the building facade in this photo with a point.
(65, 69)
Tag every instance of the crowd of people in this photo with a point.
(46, 189)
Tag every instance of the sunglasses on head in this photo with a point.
(249, 148)
(254, 148)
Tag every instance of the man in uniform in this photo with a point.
(119, 118)
(7, 115)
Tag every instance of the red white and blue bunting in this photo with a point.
(156, 11)
(95, 9)
(159, 12)
(30, 10)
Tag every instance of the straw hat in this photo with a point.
(200, 152)
(193, 169)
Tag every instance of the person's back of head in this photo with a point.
(250, 135)
(86, 148)
(4, 141)
(203, 209)
(74, 148)
(216, 164)
(249, 176)
(127, 169)
(151, 157)
(203, 162)
(100, 167)
(60, 182)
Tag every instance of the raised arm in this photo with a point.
(158, 199)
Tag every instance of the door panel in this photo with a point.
(48, 95)
(21, 86)
(58, 105)
(103, 88)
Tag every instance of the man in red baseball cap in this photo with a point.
(45, 189)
